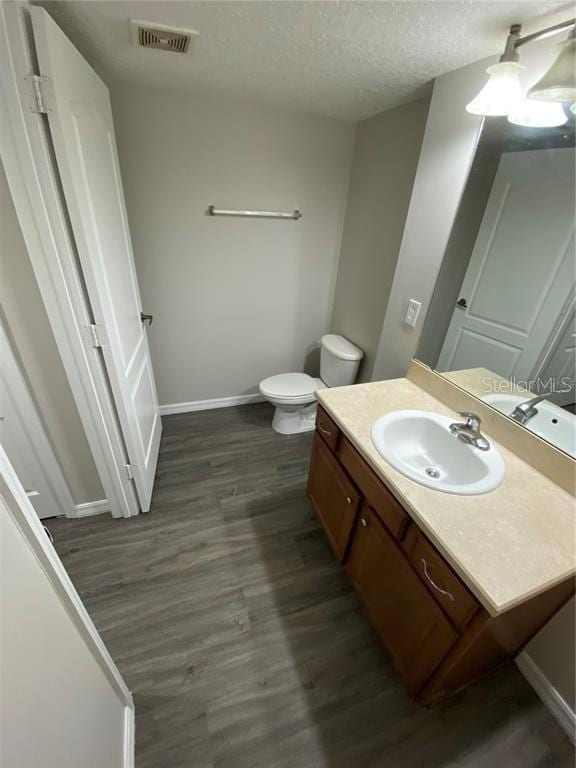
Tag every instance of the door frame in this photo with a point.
(14, 502)
(26, 152)
(33, 428)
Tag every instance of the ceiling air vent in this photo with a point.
(147, 35)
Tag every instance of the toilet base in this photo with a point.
(292, 421)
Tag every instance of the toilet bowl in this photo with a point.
(292, 394)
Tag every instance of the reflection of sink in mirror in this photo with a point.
(420, 445)
(550, 422)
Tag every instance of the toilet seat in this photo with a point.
(291, 387)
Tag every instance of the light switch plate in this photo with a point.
(412, 312)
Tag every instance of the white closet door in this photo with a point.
(80, 119)
(521, 271)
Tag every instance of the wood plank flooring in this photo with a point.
(239, 634)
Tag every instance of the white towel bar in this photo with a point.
(213, 211)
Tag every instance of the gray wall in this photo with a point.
(386, 151)
(27, 324)
(552, 650)
(447, 150)
(234, 300)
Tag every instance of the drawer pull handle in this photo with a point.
(324, 431)
(47, 532)
(444, 592)
(363, 522)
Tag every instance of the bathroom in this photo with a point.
(209, 347)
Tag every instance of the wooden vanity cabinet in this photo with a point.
(413, 628)
(439, 636)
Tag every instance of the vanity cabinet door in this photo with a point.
(333, 496)
(410, 623)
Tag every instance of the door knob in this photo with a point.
(462, 304)
(144, 318)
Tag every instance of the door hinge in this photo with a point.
(129, 471)
(96, 335)
(39, 94)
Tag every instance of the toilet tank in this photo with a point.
(339, 360)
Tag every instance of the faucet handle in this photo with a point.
(473, 421)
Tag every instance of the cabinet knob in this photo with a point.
(348, 500)
(324, 431)
(363, 522)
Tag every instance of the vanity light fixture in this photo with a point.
(559, 83)
(502, 95)
(538, 114)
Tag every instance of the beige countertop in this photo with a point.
(507, 545)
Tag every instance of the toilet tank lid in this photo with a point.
(341, 347)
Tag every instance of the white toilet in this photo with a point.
(293, 393)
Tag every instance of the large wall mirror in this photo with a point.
(502, 319)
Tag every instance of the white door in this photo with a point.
(24, 440)
(521, 271)
(80, 119)
(63, 702)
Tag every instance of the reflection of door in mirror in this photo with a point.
(519, 285)
(559, 363)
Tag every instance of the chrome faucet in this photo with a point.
(469, 431)
(526, 411)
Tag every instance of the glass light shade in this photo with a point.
(502, 93)
(559, 83)
(538, 114)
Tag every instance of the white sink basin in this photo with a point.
(551, 422)
(420, 445)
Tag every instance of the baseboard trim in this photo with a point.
(129, 737)
(207, 405)
(91, 508)
(549, 695)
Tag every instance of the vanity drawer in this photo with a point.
(440, 580)
(390, 512)
(327, 428)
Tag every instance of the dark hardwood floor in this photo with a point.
(239, 634)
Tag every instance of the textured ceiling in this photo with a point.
(341, 59)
